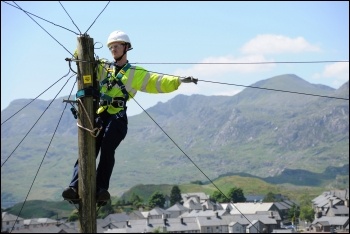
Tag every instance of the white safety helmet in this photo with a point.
(119, 36)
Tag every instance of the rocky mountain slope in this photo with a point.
(261, 131)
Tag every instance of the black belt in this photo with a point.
(116, 102)
(105, 116)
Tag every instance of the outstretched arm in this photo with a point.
(151, 82)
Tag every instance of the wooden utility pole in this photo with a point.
(87, 157)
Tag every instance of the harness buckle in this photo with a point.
(103, 103)
(117, 103)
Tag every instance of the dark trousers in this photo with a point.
(113, 132)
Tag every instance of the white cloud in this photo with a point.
(276, 44)
(213, 69)
(338, 72)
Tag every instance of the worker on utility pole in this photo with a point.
(119, 81)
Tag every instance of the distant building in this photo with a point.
(331, 211)
(197, 215)
(11, 222)
(196, 197)
(177, 210)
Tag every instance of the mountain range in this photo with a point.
(277, 126)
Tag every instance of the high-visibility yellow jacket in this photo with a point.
(135, 79)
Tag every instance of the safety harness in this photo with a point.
(117, 102)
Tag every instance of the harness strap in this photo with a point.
(118, 81)
(118, 76)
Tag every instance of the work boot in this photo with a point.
(102, 195)
(70, 193)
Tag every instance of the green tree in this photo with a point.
(307, 213)
(219, 197)
(157, 199)
(175, 195)
(120, 202)
(236, 195)
(135, 200)
(294, 213)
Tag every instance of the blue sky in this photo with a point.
(177, 32)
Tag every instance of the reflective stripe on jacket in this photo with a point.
(135, 79)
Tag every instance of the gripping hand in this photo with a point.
(75, 54)
(189, 79)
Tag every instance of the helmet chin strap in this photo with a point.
(117, 59)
